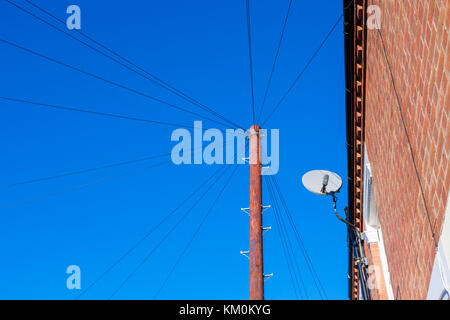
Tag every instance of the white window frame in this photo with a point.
(373, 233)
(439, 286)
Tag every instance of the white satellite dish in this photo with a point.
(322, 182)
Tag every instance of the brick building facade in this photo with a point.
(398, 113)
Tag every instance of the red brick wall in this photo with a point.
(416, 34)
(377, 284)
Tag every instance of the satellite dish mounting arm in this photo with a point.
(332, 194)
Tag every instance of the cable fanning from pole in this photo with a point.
(144, 260)
(67, 174)
(287, 255)
(305, 253)
(186, 248)
(150, 76)
(113, 165)
(104, 114)
(305, 67)
(275, 60)
(116, 84)
(250, 55)
(80, 186)
(135, 245)
(289, 242)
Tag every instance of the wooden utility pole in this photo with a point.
(255, 213)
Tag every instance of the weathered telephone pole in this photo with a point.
(255, 213)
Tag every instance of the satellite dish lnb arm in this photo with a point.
(325, 183)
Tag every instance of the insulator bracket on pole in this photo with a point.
(245, 253)
(245, 210)
(268, 276)
(265, 169)
(264, 209)
(266, 229)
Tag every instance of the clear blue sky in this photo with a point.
(200, 47)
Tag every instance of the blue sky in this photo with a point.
(201, 48)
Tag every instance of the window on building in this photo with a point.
(440, 277)
(378, 270)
